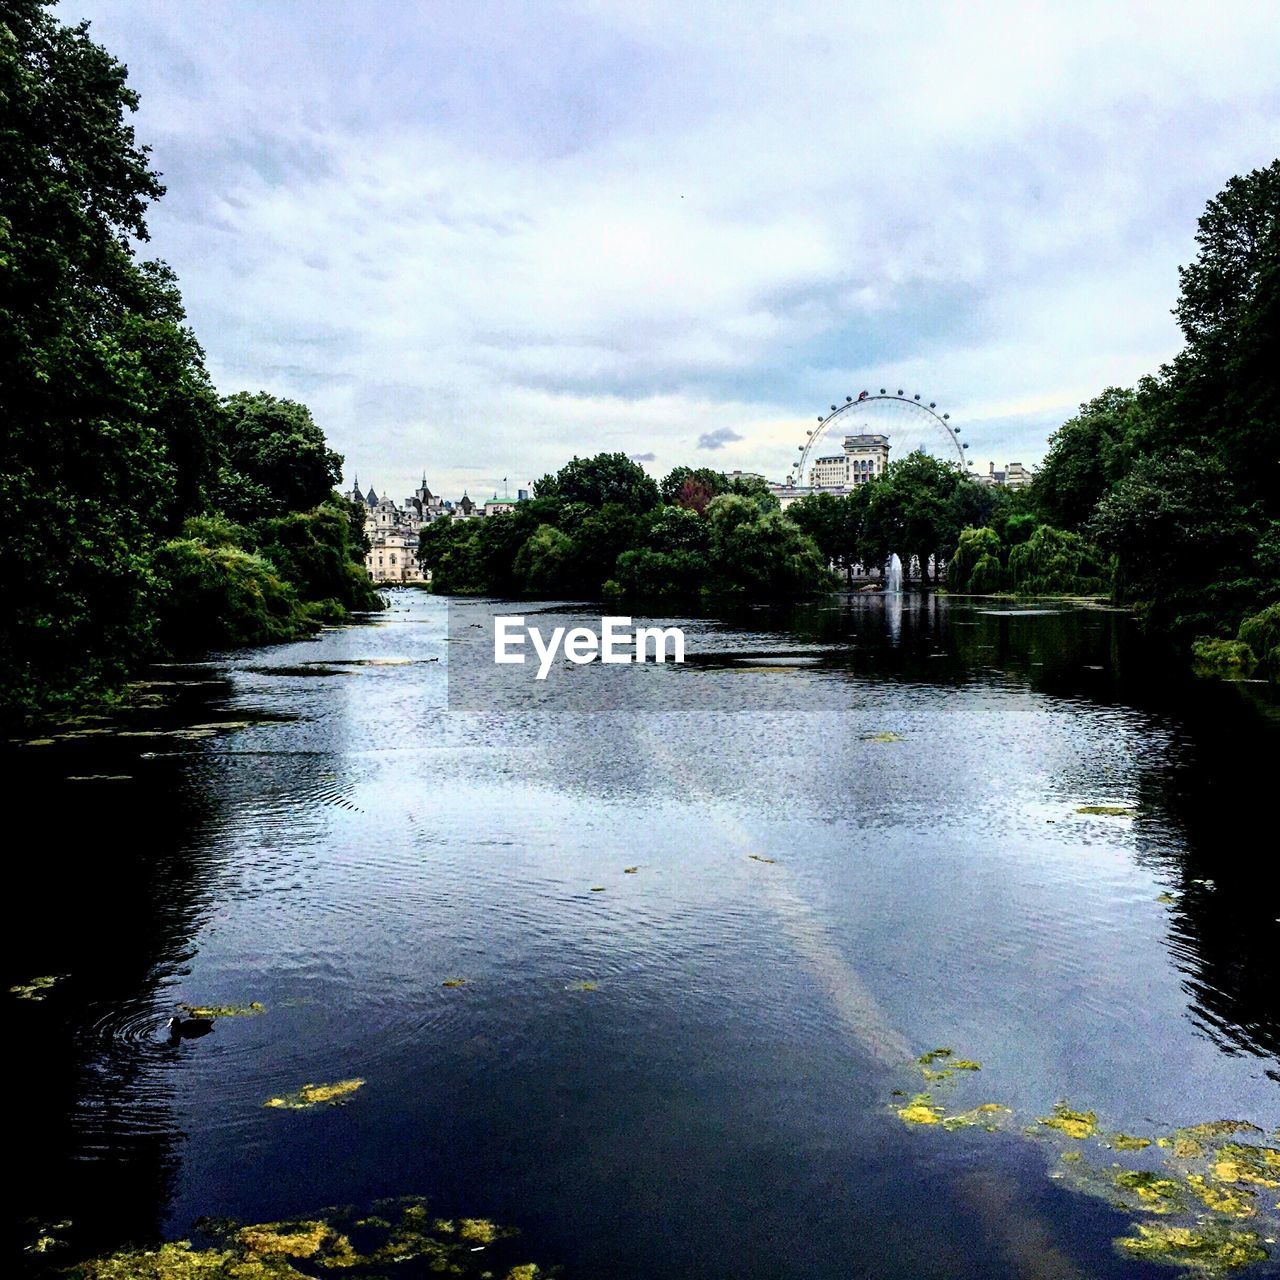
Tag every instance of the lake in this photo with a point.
(642, 967)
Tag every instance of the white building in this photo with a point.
(863, 457)
(1014, 475)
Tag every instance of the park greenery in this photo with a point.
(141, 514)
(1164, 497)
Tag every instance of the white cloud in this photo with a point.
(482, 239)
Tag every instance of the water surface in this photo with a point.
(684, 1069)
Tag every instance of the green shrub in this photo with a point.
(973, 546)
(222, 597)
(1261, 633)
(986, 577)
(1215, 656)
(1056, 562)
(313, 550)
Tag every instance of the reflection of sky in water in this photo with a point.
(718, 1104)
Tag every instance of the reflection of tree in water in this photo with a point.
(1216, 789)
(111, 897)
(1209, 776)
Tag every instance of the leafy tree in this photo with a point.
(756, 488)
(761, 555)
(914, 509)
(828, 519)
(679, 529)
(972, 547)
(645, 574)
(1086, 456)
(276, 458)
(605, 478)
(544, 563)
(1055, 562)
(106, 414)
(597, 542)
(692, 488)
(1175, 526)
(223, 597)
(312, 550)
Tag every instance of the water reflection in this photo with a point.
(668, 1055)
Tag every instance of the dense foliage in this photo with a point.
(600, 527)
(1178, 479)
(113, 435)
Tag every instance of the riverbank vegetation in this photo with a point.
(601, 527)
(1176, 482)
(141, 514)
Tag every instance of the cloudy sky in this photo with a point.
(479, 238)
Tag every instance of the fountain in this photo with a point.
(893, 579)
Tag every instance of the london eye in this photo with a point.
(911, 424)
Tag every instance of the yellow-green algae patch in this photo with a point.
(1075, 1124)
(583, 986)
(1208, 1250)
(401, 1239)
(249, 1010)
(316, 1095)
(37, 988)
(759, 857)
(984, 1116)
(1194, 1194)
(1128, 1142)
(1155, 1193)
(921, 1109)
(454, 982)
(1107, 810)
(886, 736)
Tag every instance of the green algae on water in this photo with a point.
(1107, 810)
(1128, 1142)
(37, 988)
(921, 1109)
(316, 1095)
(1075, 1124)
(454, 982)
(401, 1238)
(886, 736)
(1208, 1250)
(250, 1010)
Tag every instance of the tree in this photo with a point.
(1181, 542)
(607, 477)
(107, 418)
(761, 555)
(974, 546)
(275, 457)
(828, 519)
(1055, 562)
(914, 509)
(544, 563)
(1086, 456)
(692, 488)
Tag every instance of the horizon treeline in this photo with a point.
(141, 514)
(1164, 496)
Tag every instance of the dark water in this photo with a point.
(721, 1103)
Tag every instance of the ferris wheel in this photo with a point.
(911, 424)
